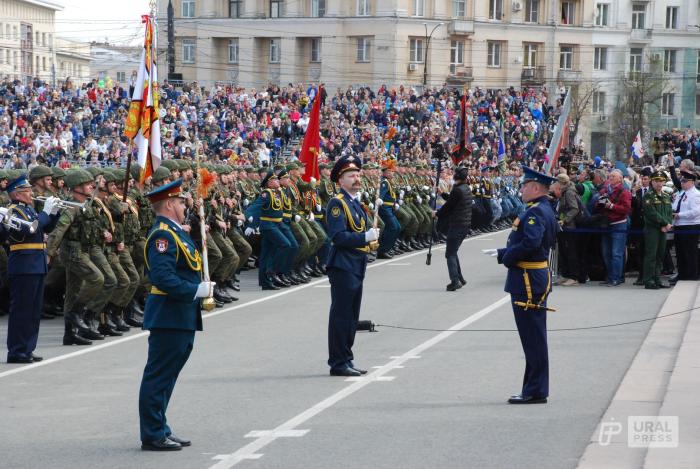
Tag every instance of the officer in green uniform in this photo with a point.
(658, 220)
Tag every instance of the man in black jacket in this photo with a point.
(458, 212)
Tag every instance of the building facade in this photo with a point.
(72, 61)
(114, 63)
(486, 43)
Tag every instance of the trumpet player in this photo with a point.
(27, 268)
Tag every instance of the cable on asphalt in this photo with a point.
(565, 329)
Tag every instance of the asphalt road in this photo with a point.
(256, 391)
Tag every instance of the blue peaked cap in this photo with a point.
(18, 183)
(532, 175)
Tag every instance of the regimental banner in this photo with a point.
(311, 147)
(561, 135)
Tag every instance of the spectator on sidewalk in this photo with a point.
(686, 223)
(615, 202)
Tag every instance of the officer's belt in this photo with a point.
(274, 220)
(156, 291)
(287, 215)
(391, 204)
(319, 216)
(533, 265)
(24, 246)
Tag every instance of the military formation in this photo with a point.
(269, 218)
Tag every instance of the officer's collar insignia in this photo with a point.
(335, 211)
(161, 245)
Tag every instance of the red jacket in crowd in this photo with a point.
(620, 202)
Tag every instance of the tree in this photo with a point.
(638, 98)
(581, 99)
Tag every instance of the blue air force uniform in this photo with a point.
(392, 227)
(529, 283)
(172, 315)
(347, 223)
(26, 268)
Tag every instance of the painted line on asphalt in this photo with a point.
(251, 450)
(399, 263)
(112, 343)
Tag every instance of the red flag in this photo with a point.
(462, 150)
(311, 146)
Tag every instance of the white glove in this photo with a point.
(419, 200)
(401, 202)
(379, 202)
(249, 231)
(426, 188)
(371, 206)
(490, 252)
(408, 188)
(297, 218)
(318, 207)
(246, 202)
(371, 235)
(239, 223)
(311, 217)
(396, 206)
(51, 205)
(401, 194)
(312, 180)
(205, 290)
(250, 219)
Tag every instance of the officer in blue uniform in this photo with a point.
(172, 313)
(26, 269)
(350, 234)
(529, 282)
(389, 200)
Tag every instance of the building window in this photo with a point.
(600, 58)
(495, 9)
(188, 51)
(121, 77)
(639, 12)
(667, 103)
(532, 11)
(566, 58)
(363, 45)
(601, 14)
(418, 7)
(38, 38)
(316, 49)
(457, 53)
(459, 8)
(416, 50)
(188, 8)
(2, 56)
(233, 51)
(568, 12)
(235, 8)
(670, 60)
(697, 104)
(697, 79)
(598, 102)
(530, 60)
(275, 8)
(494, 54)
(43, 63)
(275, 51)
(636, 59)
(318, 8)
(671, 17)
(362, 7)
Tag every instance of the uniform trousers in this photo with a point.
(391, 231)
(168, 351)
(346, 299)
(686, 251)
(26, 303)
(532, 328)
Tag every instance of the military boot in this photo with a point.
(131, 315)
(116, 314)
(107, 327)
(71, 336)
(91, 320)
(76, 319)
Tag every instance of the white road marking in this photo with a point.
(227, 461)
(398, 367)
(399, 263)
(112, 343)
(281, 434)
(370, 378)
(415, 357)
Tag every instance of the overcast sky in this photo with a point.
(87, 20)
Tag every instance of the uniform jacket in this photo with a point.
(174, 268)
(657, 210)
(533, 235)
(33, 260)
(347, 222)
(266, 211)
(569, 205)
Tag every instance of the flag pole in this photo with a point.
(208, 303)
(128, 170)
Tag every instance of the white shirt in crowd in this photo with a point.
(687, 205)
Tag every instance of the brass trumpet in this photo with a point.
(15, 223)
(63, 203)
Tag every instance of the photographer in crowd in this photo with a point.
(615, 202)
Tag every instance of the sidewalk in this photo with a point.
(663, 380)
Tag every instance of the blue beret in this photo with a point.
(532, 175)
(166, 191)
(18, 183)
(344, 164)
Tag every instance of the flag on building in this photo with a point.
(637, 149)
(311, 146)
(462, 149)
(142, 122)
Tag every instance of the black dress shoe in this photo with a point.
(384, 255)
(462, 281)
(36, 358)
(454, 286)
(162, 445)
(651, 286)
(270, 287)
(520, 399)
(18, 359)
(359, 370)
(347, 371)
(180, 441)
(663, 285)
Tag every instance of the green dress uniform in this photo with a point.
(657, 214)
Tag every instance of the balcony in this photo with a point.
(459, 75)
(640, 36)
(569, 76)
(533, 76)
(460, 27)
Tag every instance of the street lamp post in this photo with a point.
(427, 49)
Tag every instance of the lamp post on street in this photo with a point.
(427, 49)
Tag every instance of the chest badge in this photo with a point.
(335, 211)
(161, 245)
